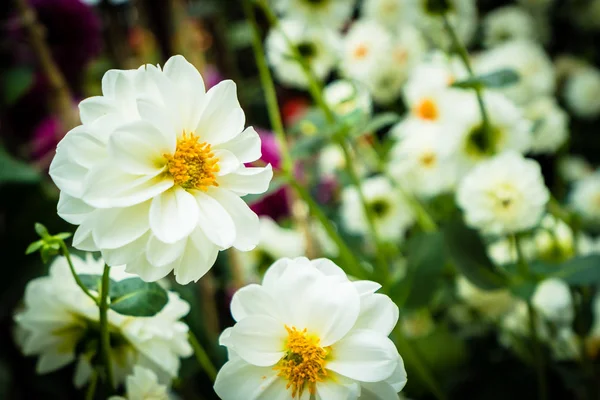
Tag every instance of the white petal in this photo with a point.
(173, 215)
(331, 389)
(72, 210)
(160, 254)
(245, 220)
(245, 146)
(116, 227)
(215, 221)
(259, 340)
(146, 271)
(183, 74)
(378, 391)
(199, 256)
(86, 148)
(128, 253)
(253, 300)
(378, 313)
(239, 380)
(108, 186)
(139, 148)
(329, 268)
(222, 118)
(398, 378)
(189, 87)
(118, 83)
(247, 180)
(366, 287)
(93, 108)
(83, 238)
(274, 273)
(52, 361)
(228, 162)
(161, 120)
(66, 174)
(364, 355)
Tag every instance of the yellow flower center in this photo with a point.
(193, 165)
(428, 159)
(304, 363)
(360, 51)
(427, 110)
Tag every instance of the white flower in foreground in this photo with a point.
(390, 210)
(422, 160)
(503, 195)
(316, 44)
(585, 197)
(553, 300)
(529, 60)
(366, 47)
(331, 345)
(582, 90)
(550, 125)
(330, 13)
(143, 385)
(59, 318)
(345, 97)
(507, 23)
(154, 175)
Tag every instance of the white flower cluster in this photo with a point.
(58, 320)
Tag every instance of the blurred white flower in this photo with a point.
(573, 168)
(503, 195)
(326, 13)
(529, 60)
(154, 175)
(385, 83)
(316, 44)
(582, 92)
(462, 15)
(388, 12)
(434, 72)
(550, 124)
(366, 47)
(509, 130)
(58, 317)
(490, 304)
(422, 160)
(143, 385)
(587, 245)
(552, 298)
(503, 251)
(390, 210)
(507, 23)
(332, 344)
(585, 197)
(554, 240)
(345, 97)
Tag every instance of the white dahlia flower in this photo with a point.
(507, 23)
(316, 44)
(553, 300)
(392, 214)
(143, 385)
(503, 195)
(59, 318)
(550, 124)
(331, 345)
(345, 97)
(330, 13)
(581, 92)
(154, 175)
(585, 197)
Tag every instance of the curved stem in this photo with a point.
(65, 252)
(202, 357)
(91, 390)
(104, 333)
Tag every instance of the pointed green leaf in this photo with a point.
(35, 246)
(496, 79)
(92, 282)
(41, 231)
(582, 270)
(137, 298)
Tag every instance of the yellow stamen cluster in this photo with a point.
(194, 165)
(304, 363)
(428, 159)
(427, 110)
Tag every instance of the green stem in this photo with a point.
(104, 328)
(91, 390)
(287, 163)
(464, 56)
(537, 346)
(410, 353)
(65, 252)
(202, 357)
(424, 220)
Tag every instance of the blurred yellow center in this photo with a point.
(193, 165)
(361, 51)
(304, 363)
(428, 159)
(427, 109)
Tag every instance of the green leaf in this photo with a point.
(376, 123)
(16, 83)
(13, 170)
(583, 270)
(524, 290)
(137, 298)
(239, 35)
(33, 247)
(92, 282)
(425, 260)
(63, 235)
(468, 252)
(496, 79)
(41, 231)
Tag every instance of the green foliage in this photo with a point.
(48, 245)
(16, 82)
(92, 282)
(425, 260)
(16, 171)
(467, 250)
(497, 79)
(577, 271)
(137, 298)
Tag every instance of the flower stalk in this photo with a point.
(202, 357)
(65, 252)
(104, 328)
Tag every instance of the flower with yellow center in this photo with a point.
(503, 195)
(154, 175)
(331, 345)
